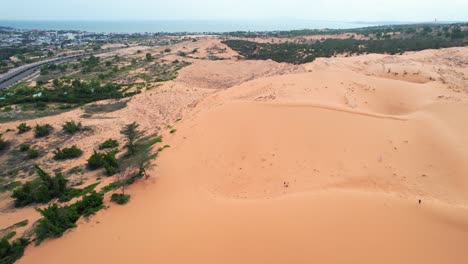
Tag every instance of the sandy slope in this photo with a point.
(325, 166)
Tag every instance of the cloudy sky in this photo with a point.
(339, 10)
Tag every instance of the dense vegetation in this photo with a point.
(10, 252)
(63, 91)
(45, 188)
(57, 219)
(40, 190)
(380, 40)
(447, 30)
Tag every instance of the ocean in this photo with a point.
(182, 25)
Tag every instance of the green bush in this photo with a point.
(56, 219)
(90, 204)
(106, 160)
(46, 188)
(95, 161)
(32, 153)
(149, 57)
(40, 190)
(42, 130)
(24, 147)
(67, 153)
(3, 143)
(110, 143)
(9, 253)
(71, 127)
(23, 128)
(120, 198)
(110, 170)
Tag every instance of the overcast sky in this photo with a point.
(338, 10)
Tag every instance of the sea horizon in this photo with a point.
(190, 26)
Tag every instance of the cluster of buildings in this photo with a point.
(11, 37)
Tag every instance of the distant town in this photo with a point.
(22, 46)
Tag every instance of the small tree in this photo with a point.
(132, 133)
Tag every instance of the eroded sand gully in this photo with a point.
(325, 165)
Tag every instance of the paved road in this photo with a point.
(10, 78)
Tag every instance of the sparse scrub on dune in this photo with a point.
(71, 127)
(23, 128)
(42, 130)
(67, 153)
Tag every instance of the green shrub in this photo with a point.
(23, 128)
(149, 57)
(56, 219)
(9, 186)
(106, 160)
(120, 198)
(40, 190)
(90, 204)
(9, 253)
(24, 147)
(42, 130)
(67, 153)
(110, 143)
(109, 169)
(32, 153)
(71, 127)
(3, 143)
(95, 161)
(167, 50)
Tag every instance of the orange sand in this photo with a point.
(324, 166)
